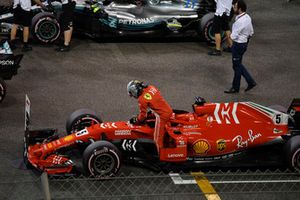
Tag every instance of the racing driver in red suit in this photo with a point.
(149, 97)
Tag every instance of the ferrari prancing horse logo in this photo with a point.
(148, 96)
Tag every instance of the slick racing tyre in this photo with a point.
(45, 27)
(81, 119)
(2, 89)
(205, 29)
(292, 150)
(101, 159)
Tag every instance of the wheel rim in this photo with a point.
(296, 160)
(47, 30)
(83, 123)
(211, 34)
(103, 164)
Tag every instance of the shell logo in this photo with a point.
(201, 147)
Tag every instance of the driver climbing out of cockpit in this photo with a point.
(149, 97)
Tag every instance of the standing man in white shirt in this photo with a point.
(22, 16)
(66, 21)
(242, 30)
(221, 22)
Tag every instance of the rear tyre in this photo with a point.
(101, 159)
(2, 89)
(45, 27)
(292, 150)
(205, 29)
(81, 119)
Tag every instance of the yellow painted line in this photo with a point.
(205, 186)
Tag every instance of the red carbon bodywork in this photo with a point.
(212, 130)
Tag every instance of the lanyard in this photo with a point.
(240, 16)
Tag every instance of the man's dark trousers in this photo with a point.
(238, 50)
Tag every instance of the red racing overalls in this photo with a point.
(151, 98)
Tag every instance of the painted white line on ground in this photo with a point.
(177, 180)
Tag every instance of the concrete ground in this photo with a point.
(94, 75)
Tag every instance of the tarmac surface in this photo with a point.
(95, 74)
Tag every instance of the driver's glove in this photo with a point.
(133, 120)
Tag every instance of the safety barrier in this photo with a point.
(227, 185)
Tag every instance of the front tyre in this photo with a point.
(292, 150)
(45, 27)
(101, 159)
(2, 89)
(81, 119)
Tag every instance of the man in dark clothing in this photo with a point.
(66, 21)
(221, 22)
(242, 30)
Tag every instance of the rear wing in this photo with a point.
(34, 136)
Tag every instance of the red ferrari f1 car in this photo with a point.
(214, 133)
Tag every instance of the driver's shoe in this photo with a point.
(215, 52)
(26, 47)
(63, 48)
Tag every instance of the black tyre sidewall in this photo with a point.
(294, 160)
(206, 33)
(205, 29)
(38, 20)
(292, 151)
(77, 116)
(2, 89)
(97, 149)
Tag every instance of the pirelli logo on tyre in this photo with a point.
(201, 147)
(221, 145)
